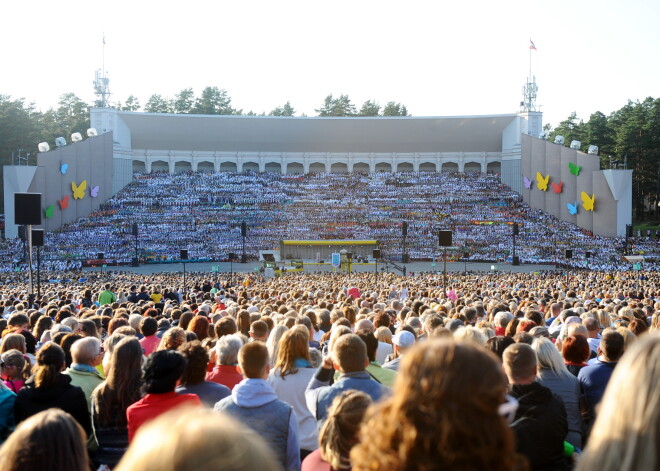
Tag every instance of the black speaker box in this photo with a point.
(100, 256)
(404, 228)
(184, 254)
(27, 209)
(516, 261)
(135, 262)
(444, 238)
(243, 229)
(376, 254)
(405, 258)
(37, 237)
(515, 228)
(569, 253)
(134, 229)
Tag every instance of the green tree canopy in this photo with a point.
(341, 106)
(369, 108)
(157, 104)
(286, 110)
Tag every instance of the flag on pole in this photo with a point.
(531, 44)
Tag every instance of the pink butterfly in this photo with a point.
(528, 183)
(94, 191)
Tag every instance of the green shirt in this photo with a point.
(107, 297)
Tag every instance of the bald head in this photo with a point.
(365, 324)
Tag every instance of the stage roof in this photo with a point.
(188, 132)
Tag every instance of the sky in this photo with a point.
(438, 58)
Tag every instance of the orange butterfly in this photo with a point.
(556, 187)
(64, 202)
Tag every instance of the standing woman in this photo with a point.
(48, 387)
(293, 371)
(430, 422)
(111, 399)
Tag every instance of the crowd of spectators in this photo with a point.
(203, 212)
(498, 371)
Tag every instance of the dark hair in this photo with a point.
(612, 345)
(370, 341)
(197, 360)
(89, 327)
(162, 370)
(498, 344)
(535, 316)
(67, 341)
(260, 328)
(30, 342)
(122, 385)
(50, 361)
(225, 326)
(243, 322)
(148, 326)
(51, 439)
(185, 319)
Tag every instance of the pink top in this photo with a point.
(149, 344)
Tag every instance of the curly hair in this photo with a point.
(431, 418)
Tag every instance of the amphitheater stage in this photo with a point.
(225, 267)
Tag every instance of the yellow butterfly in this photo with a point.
(542, 183)
(588, 203)
(79, 191)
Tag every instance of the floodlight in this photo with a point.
(43, 147)
(593, 150)
(91, 132)
(76, 137)
(559, 140)
(60, 142)
(542, 135)
(576, 145)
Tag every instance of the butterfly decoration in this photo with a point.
(48, 212)
(572, 208)
(64, 202)
(541, 182)
(528, 182)
(64, 168)
(557, 187)
(587, 202)
(94, 192)
(575, 169)
(79, 191)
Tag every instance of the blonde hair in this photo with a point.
(470, 334)
(549, 358)
(199, 439)
(172, 339)
(339, 432)
(383, 334)
(626, 432)
(628, 337)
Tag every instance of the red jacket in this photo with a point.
(225, 374)
(152, 405)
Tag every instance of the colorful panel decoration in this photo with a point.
(79, 191)
(542, 182)
(587, 202)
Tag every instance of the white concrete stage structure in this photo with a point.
(185, 142)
